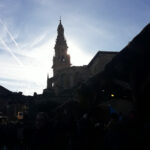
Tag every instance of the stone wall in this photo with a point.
(97, 64)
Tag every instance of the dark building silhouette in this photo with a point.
(66, 77)
(61, 60)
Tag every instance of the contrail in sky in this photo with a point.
(10, 51)
(10, 35)
(6, 46)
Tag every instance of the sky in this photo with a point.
(28, 31)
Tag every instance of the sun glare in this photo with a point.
(78, 57)
(43, 56)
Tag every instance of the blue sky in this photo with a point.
(28, 30)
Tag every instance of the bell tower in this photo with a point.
(61, 59)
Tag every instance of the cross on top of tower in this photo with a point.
(60, 19)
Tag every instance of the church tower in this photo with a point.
(61, 59)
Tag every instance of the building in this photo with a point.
(12, 102)
(65, 76)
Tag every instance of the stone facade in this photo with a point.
(97, 64)
(65, 76)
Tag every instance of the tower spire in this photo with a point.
(47, 75)
(47, 80)
(60, 20)
(61, 59)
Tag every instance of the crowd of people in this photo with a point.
(90, 131)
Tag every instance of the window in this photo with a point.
(53, 84)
